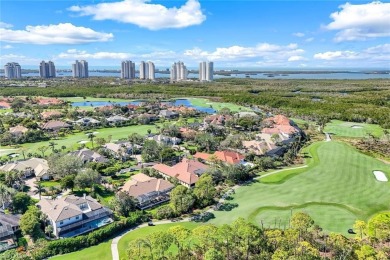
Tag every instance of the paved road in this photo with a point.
(115, 241)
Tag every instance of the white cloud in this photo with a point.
(63, 33)
(144, 14)
(299, 34)
(360, 22)
(309, 39)
(263, 52)
(72, 54)
(21, 59)
(332, 55)
(7, 47)
(296, 58)
(5, 25)
(377, 53)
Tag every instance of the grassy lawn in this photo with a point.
(5, 110)
(350, 129)
(143, 232)
(71, 141)
(338, 184)
(101, 252)
(50, 183)
(202, 102)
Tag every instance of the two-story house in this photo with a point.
(71, 216)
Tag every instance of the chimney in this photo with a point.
(84, 195)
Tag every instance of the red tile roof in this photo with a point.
(186, 171)
(224, 156)
(229, 156)
(49, 101)
(4, 104)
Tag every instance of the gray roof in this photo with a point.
(65, 208)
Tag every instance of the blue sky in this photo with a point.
(254, 34)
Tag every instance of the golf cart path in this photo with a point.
(115, 240)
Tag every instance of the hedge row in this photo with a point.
(68, 245)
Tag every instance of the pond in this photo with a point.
(176, 102)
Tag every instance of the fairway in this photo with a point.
(101, 252)
(350, 129)
(143, 232)
(336, 188)
(202, 102)
(71, 141)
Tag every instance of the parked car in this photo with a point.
(150, 223)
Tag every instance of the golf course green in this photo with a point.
(351, 129)
(336, 189)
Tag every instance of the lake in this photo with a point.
(176, 102)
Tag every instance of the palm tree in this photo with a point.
(52, 145)
(43, 149)
(39, 188)
(5, 194)
(91, 136)
(23, 151)
(49, 230)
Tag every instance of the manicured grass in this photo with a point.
(101, 252)
(324, 215)
(50, 183)
(336, 188)
(71, 141)
(202, 102)
(5, 110)
(345, 129)
(143, 232)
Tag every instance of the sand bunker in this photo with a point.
(83, 142)
(380, 176)
(356, 126)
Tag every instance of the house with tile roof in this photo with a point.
(71, 216)
(9, 225)
(33, 166)
(229, 157)
(148, 191)
(54, 126)
(18, 130)
(50, 114)
(87, 155)
(187, 172)
(219, 120)
(5, 105)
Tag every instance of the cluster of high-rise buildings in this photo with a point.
(206, 71)
(47, 69)
(146, 70)
(12, 70)
(80, 69)
(178, 71)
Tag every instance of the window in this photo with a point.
(61, 222)
(77, 217)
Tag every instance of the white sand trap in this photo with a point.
(83, 142)
(356, 126)
(380, 176)
(95, 133)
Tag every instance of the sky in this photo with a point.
(231, 33)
